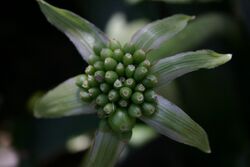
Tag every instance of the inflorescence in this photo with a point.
(119, 83)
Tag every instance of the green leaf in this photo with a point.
(64, 100)
(167, 69)
(196, 33)
(82, 33)
(174, 123)
(156, 34)
(105, 150)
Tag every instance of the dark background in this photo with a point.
(35, 57)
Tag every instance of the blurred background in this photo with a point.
(35, 57)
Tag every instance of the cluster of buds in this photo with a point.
(119, 83)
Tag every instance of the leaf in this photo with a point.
(196, 33)
(64, 100)
(105, 150)
(156, 34)
(167, 69)
(82, 33)
(174, 123)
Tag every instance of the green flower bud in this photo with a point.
(80, 79)
(134, 111)
(92, 59)
(109, 108)
(94, 92)
(150, 96)
(113, 95)
(120, 69)
(137, 98)
(114, 44)
(85, 96)
(118, 84)
(123, 103)
(120, 121)
(99, 65)
(148, 109)
(150, 81)
(85, 84)
(105, 53)
(91, 80)
(140, 88)
(90, 70)
(139, 56)
(125, 92)
(130, 82)
(101, 100)
(110, 77)
(129, 48)
(130, 69)
(105, 88)
(110, 63)
(140, 73)
(99, 76)
(97, 49)
(127, 59)
(146, 63)
(118, 55)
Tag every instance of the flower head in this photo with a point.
(120, 83)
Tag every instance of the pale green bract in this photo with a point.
(64, 100)
(167, 69)
(169, 120)
(177, 125)
(81, 32)
(105, 151)
(156, 34)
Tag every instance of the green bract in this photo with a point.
(120, 82)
